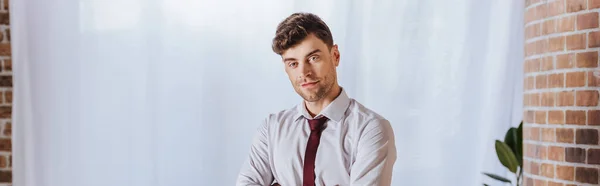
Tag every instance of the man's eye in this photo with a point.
(313, 58)
(293, 64)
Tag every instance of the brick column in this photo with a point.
(6, 83)
(561, 113)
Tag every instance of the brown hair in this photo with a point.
(296, 27)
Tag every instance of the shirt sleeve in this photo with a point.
(375, 156)
(256, 170)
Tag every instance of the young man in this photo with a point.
(329, 138)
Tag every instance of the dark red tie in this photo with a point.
(311, 150)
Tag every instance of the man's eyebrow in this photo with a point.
(313, 52)
(294, 59)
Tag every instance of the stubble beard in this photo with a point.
(322, 90)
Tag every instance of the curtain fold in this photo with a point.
(170, 92)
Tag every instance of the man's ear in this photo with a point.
(336, 54)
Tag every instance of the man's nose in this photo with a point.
(305, 70)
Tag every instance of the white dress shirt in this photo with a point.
(356, 147)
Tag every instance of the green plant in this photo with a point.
(510, 154)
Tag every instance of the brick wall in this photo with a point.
(562, 117)
(5, 97)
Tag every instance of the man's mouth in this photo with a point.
(309, 84)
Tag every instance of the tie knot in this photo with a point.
(316, 124)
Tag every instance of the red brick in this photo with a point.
(576, 41)
(576, 79)
(7, 31)
(586, 175)
(5, 49)
(528, 181)
(541, 46)
(534, 168)
(592, 80)
(534, 99)
(527, 150)
(529, 115)
(593, 156)
(532, 31)
(565, 172)
(575, 155)
(547, 63)
(540, 12)
(542, 152)
(6, 81)
(5, 176)
(556, 8)
(565, 98)
(556, 117)
(529, 83)
(587, 59)
(7, 129)
(3, 162)
(576, 5)
(530, 49)
(8, 96)
(532, 65)
(548, 135)
(566, 24)
(547, 99)
(592, 4)
(5, 112)
(586, 98)
(530, 15)
(593, 117)
(565, 61)
(547, 170)
(594, 39)
(586, 136)
(587, 21)
(549, 27)
(5, 145)
(5, 18)
(556, 153)
(7, 65)
(576, 117)
(534, 133)
(557, 80)
(556, 44)
(564, 135)
(540, 117)
(541, 81)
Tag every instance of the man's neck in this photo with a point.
(316, 107)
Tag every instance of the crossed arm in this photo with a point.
(375, 157)
(256, 171)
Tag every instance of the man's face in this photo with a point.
(311, 67)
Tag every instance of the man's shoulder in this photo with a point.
(363, 113)
(282, 115)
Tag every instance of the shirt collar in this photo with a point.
(334, 111)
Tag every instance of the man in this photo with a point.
(329, 138)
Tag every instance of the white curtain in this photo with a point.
(170, 92)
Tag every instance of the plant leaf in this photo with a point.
(506, 156)
(496, 177)
(519, 152)
(511, 139)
